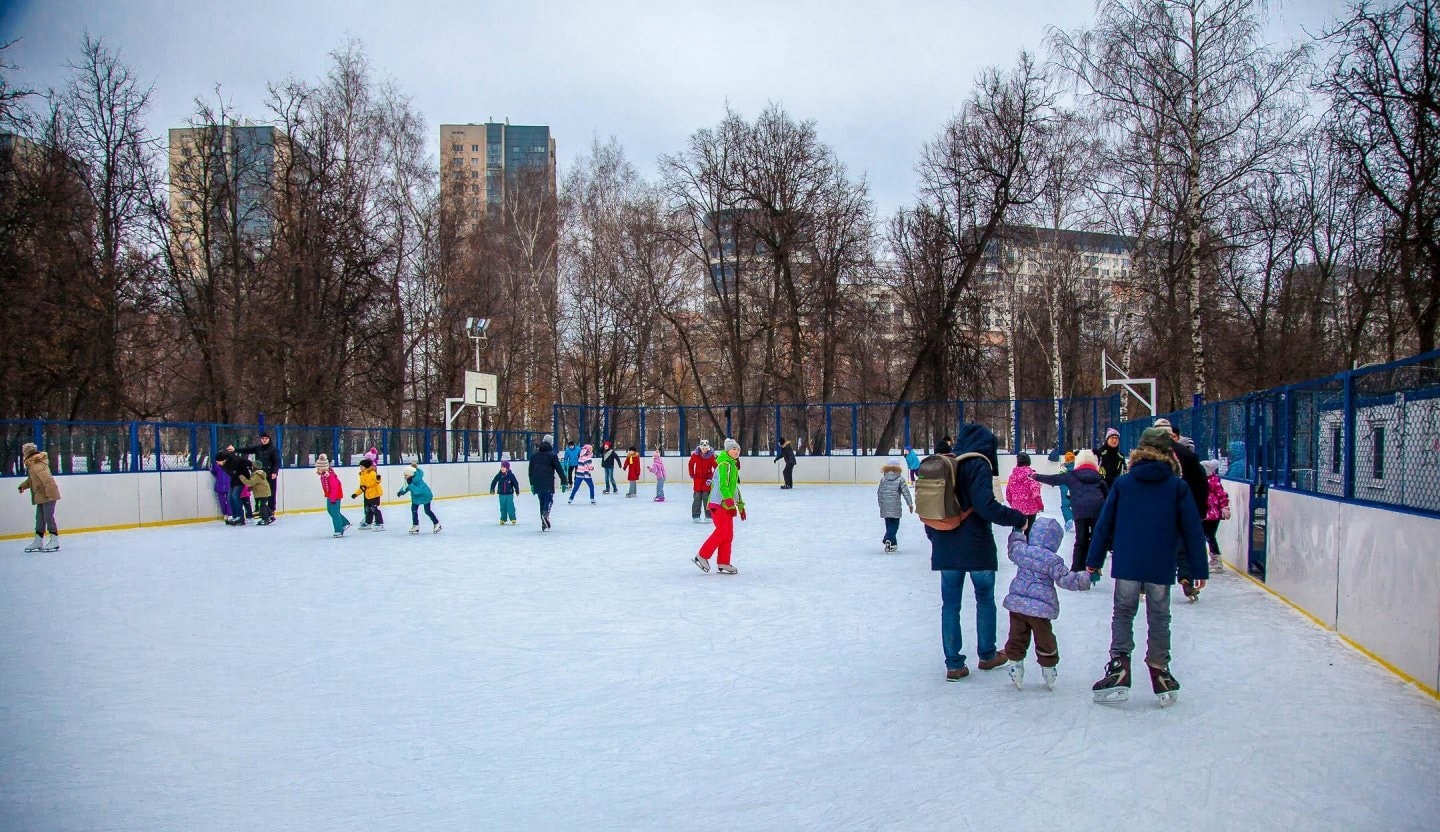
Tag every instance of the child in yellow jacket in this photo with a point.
(370, 487)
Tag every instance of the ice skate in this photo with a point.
(436, 530)
(1191, 593)
(414, 529)
(1164, 685)
(726, 569)
(1115, 687)
(659, 499)
(36, 545)
(338, 534)
(1216, 564)
(702, 563)
(378, 527)
(1017, 674)
(364, 525)
(592, 502)
(545, 522)
(1049, 673)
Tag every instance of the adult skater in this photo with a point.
(702, 473)
(267, 457)
(609, 458)
(787, 453)
(969, 549)
(238, 467)
(44, 494)
(544, 467)
(1112, 461)
(725, 504)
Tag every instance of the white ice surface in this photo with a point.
(209, 678)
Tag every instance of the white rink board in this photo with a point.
(1302, 555)
(1234, 534)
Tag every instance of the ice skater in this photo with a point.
(508, 486)
(657, 468)
(632, 470)
(334, 493)
(1147, 517)
(372, 491)
(725, 504)
(1022, 492)
(544, 467)
(608, 460)
(583, 474)
(222, 488)
(892, 488)
(702, 473)
(238, 468)
(420, 497)
(570, 462)
(786, 453)
(1033, 602)
(44, 494)
(912, 461)
(1087, 496)
(259, 484)
(1217, 508)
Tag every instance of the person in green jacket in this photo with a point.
(725, 503)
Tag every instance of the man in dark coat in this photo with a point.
(787, 453)
(267, 458)
(544, 468)
(970, 549)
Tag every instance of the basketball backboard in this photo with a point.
(481, 389)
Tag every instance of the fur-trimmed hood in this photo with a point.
(1147, 453)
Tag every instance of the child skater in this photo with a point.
(1066, 509)
(632, 469)
(912, 461)
(1087, 496)
(44, 494)
(259, 484)
(1149, 516)
(702, 472)
(420, 497)
(1032, 600)
(657, 467)
(334, 493)
(892, 489)
(1217, 509)
(222, 487)
(1022, 492)
(584, 474)
(370, 488)
(508, 487)
(725, 503)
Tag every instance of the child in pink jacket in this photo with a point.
(1022, 491)
(657, 467)
(1217, 508)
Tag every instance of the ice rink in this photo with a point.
(207, 678)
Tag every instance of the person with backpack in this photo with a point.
(955, 499)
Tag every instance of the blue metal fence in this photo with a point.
(841, 428)
(1369, 435)
(123, 447)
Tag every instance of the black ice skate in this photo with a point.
(1115, 687)
(1164, 685)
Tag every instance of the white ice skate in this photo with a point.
(1049, 673)
(435, 530)
(378, 527)
(414, 529)
(363, 526)
(1017, 674)
(52, 544)
(36, 545)
(726, 569)
(702, 563)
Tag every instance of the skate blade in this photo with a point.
(1168, 698)
(1112, 696)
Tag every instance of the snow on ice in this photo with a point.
(497, 678)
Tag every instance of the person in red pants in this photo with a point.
(725, 504)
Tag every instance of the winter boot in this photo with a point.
(957, 674)
(997, 660)
(36, 545)
(702, 563)
(1164, 685)
(414, 529)
(1115, 687)
(1049, 673)
(1017, 674)
(726, 569)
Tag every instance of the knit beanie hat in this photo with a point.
(322, 463)
(1069, 456)
(548, 439)
(731, 443)
(1157, 437)
(1109, 432)
(1211, 466)
(27, 449)
(1162, 422)
(1087, 457)
(505, 464)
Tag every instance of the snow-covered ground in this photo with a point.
(209, 678)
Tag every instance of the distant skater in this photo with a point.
(420, 497)
(508, 486)
(725, 504)
(632, 470)
(583, 474)
(44, 494)
(544, 467)
(334, 493)
(891, 490)
(657, 469)
(702, 473)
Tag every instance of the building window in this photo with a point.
(474, 174)
(456, 147)
(538, 149)
(475, 160)
(474, 148)
(457, 162)
(1377, 452)
(1336, 434)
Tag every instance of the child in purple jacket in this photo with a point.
(222, 488)
(1033, 602)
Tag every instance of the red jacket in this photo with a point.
(330, 485)
(632, 467)
(702, 470)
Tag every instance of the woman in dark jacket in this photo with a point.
(1112, 461)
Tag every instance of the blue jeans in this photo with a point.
(892, 527)
(610, 481)
(952, 587)
(237, 503)
(583, 479)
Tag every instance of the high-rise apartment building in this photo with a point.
(222, 181)
(479, 163)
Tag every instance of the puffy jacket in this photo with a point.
(416, 487)
(1038, 569)
(237, 466)
(572, 456)
(585, 463)
(656, 466)
(970, 547)
(787, 453)
(725, 493)
(544, 468)
(632, 466)
(222, 479)
(1194, 475)
(1149, 513)
(38, 480)
(608, 458)
(369, 484)
(1087, 490)
(258, 482)
(891, 490)
(912, 460)
(702, 470)
(1022, 492)
(1218, 500)
(266, 455)
(505, 483)
(330, 485)
(1238, 470)
(1112, 463)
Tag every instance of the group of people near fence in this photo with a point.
(1152, 515)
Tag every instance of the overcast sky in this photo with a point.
(879, 78)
